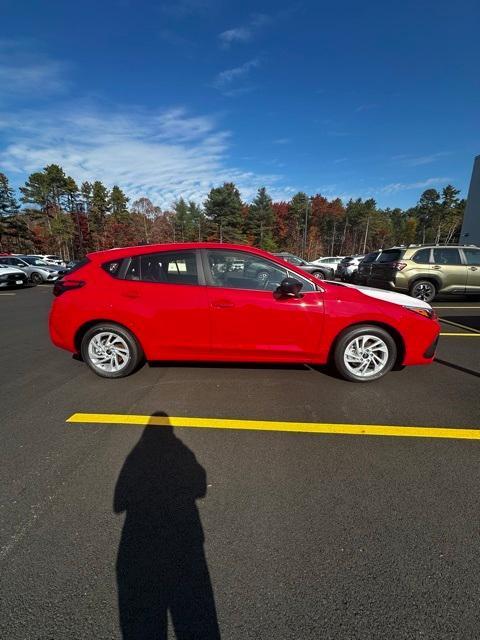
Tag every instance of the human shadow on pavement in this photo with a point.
(161, 564)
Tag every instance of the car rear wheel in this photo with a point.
(111, 351)
(319, 274)
(36, 278)
(423, 290)
(365, 353)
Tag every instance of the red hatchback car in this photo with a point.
(229, 303)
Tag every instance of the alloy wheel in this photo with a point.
(108, 352)
(366, 355)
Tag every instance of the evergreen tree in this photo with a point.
(8, 203)
(118, 203)
(298, 211)
(427, 211)
(99, 208)
(86, 195)
(259, 224)
(223, 207)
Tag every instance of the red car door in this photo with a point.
(247, 321)
(164, 298)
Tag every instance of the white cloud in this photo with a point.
(224, 80)
(282, 141)
(23, 71)
(163, 155)
(417, 161)
(239, 34)
(395, 187)
(227, 76)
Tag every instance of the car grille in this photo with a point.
(62, 273)
(13, 277)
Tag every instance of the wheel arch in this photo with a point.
(82, 330)
(435, 280)
(396, 335)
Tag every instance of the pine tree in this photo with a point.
(118, 203)
(98, 211)
(8, 203)
(259, 224)
(86, 194)
(223, 207)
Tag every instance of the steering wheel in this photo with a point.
(263, 278)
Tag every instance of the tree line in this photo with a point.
(53, 214)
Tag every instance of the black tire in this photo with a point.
(356, 332)
(36, 278)
(133, 359)
(423, 290)
(319, 274)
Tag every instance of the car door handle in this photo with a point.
(222, 304)
(131, 294)
(436, 266)
(473, 268)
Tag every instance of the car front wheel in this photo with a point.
(111, 351)
(36, 278)
(365, 353)
(319, 274)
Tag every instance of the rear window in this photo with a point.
(391, 255)
(370, 257)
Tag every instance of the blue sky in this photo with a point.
(352, 99)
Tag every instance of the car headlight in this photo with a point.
(431, 314)
(3, 276)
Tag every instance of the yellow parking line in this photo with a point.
(267, 425)
(458, 324)
(462, 335)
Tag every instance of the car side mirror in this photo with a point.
(288, 288)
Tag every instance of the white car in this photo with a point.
(49, 259)
(330, 261)
(12, 277)
(348, 267)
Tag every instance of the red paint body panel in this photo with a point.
(199, 322)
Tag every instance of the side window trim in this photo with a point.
(463, 254)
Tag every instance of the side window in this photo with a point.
(112, 268)
(133, 270)
(16, 262)
(179, 267)
(472, 256)
(422, 256)
(242, 270)
(446, 256)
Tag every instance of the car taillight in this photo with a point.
(61, 286)
(399, 265)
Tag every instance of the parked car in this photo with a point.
(347, 268)
(428, 270)
(12, 277)
(365, 267)
(330, 261)
(37, 270)
(50, 259)
(322, 272)
(182, 302)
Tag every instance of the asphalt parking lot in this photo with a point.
(236, 533)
